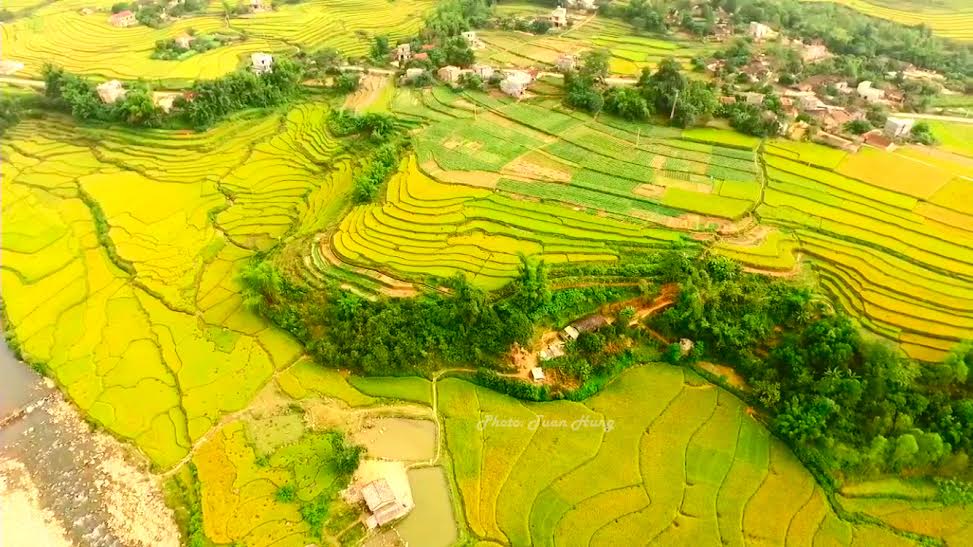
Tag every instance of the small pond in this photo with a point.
(399, 439)
(431, 523)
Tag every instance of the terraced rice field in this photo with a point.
(120, 251)
(632, 171)
(683, 463)
(429, 228)
(57, 33)
(629, 54)
(890, 236)
(947, 18)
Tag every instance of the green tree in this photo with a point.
(380, 49)
(627, 102)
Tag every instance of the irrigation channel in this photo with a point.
(61, 483)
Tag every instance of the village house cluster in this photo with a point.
(827, 102)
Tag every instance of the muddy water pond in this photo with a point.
(401, 439)
(431, 523)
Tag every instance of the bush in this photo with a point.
(286, 493)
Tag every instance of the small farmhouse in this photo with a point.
(471, 38)
(123, 19)
(515, 83)
(256, 5)
(753, 98)
(382, 503)
(588, 324)
(261, 63)
(869, 93)
(483, 71)
(449, 74)
(383, 486)
(537, 375)
(566, 62)
(110, 91)
(552, 351)
(402, 52)
(759, 31)
(184, 41)
(898, 127)
(559, 17)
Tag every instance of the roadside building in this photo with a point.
(110, 91)
(449, 74)
(898, 127)
(123, 19)
(537, 375)
(559, 17)
(261, 63)
(402, 52)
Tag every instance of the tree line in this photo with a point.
(852, 404)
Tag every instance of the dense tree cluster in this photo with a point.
(852, 404)
(79, 96)
(153, 13)
(389, 336)
(862, 41)
(666, 92)
(451, 17)
(211, 100)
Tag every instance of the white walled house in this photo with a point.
(261, 63)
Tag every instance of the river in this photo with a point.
(61, 483)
